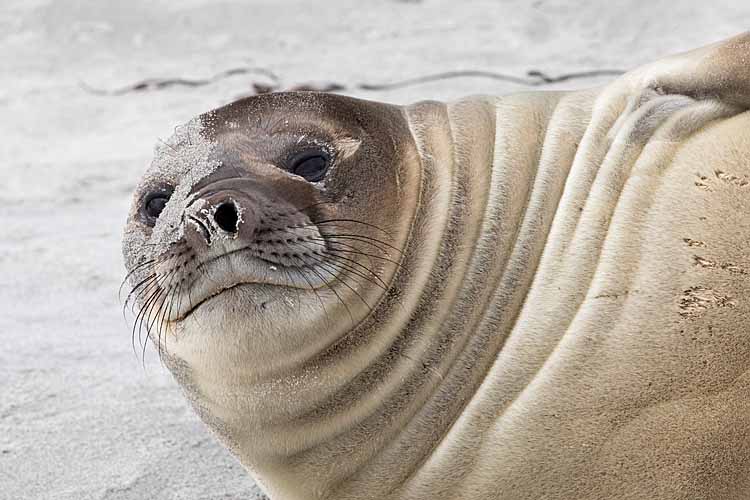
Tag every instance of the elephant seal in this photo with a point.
(542, 295)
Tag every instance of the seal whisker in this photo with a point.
(328, 285)
(356, 251)
(352, 262)
(354, 221)
(156, 323)
(145, 313)
(150, 284)
(164, 311)
(135, 293)
(362, 238)
(141, 283)
(338, 277)
(153, 317)
(352, 273)
(130, 273)
(167, 314)
(181, 295)
(340, 246)
(142, 288)
(134, 289)
(192, 304)
(312, 288)
(353, 235)
(143, 350)
(328, 250)
(350, 249)
(155, 308)
(142, 311)
(146, 290)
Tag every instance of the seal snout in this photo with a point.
(221, 215)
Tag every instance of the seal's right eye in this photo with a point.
(154, 204)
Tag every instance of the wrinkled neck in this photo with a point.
(371, 409)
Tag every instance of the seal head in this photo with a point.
(257, 222)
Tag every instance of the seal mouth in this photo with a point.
(240, 268)
(196, 306)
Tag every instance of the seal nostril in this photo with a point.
(226, 217)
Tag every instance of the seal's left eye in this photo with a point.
(311, 165)
(154, 204)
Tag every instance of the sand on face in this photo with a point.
(80, 418)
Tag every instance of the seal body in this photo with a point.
(542, 295)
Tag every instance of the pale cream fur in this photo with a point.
(572, 317)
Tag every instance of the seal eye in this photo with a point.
(310, 165)
(154, 204)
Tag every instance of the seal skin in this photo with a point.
(542, 295)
